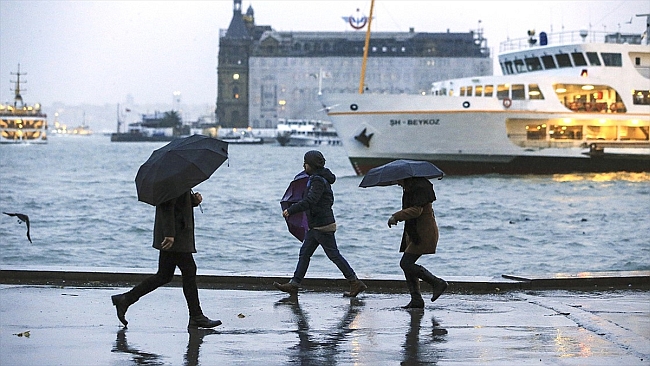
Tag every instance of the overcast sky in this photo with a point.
(98, 52)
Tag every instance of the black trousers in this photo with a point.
(407, 263)
(167, 263)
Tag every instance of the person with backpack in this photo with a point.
(317, 203)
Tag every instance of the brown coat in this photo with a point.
(427, 229)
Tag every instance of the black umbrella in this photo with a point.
(178, 166)
(389, 174)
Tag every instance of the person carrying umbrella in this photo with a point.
(420, 234)
(165, 181)
(317, 203)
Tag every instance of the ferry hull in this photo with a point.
(521, 164)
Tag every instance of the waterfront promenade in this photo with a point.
(57, 317)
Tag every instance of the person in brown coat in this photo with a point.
(173, 236)
(420, 237)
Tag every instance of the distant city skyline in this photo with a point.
(98, 52)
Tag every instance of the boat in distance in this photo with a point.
(306, 132)
(568, 102)
(22, 123)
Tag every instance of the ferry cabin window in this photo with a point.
(601, 133)
(518, 92)
(536, 132)
(478, 91)
(489, 90)
(612, 59)
(549, 62)
(593, 58)
(579, 59)
(519, 66)
(503, 91)
(563, 60)
(534, 92)
(507, 68)
(469, 91)
(463, 91)
(637, 133)
(533, 64)
(641, 97)
(565, 132)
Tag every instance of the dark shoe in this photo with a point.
(121, 305)
(356, 287)
(287, 287)
(202, 321)
(439, 287)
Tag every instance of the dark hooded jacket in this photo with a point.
(176, 218)
(318, 200)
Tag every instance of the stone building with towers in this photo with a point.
(264, 75)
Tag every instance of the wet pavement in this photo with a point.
(77, 325)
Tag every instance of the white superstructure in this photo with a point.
(571, 102)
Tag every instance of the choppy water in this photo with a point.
(79, 193)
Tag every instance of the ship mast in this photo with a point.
(365, 50)
(18, 98)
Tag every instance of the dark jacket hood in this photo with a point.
(327, 174)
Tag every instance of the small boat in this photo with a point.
(568, 102)
(20, 122)
(302, 132)
(241, 137)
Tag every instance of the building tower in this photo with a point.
(232, 70)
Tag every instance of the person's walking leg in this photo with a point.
(307, 249)
(328, 241)
(165, 274)
(407, 263)
(439, 285)
(185, 261)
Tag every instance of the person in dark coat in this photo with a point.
(173, 236)
(318, 203)
(420, 237)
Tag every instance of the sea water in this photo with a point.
(80, 196)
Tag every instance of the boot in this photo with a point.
(439, 285)
(416, 302)
(289, 287)
(356, 287)
(121, 305)
(202, 321)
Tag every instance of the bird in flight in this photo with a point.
(21, 218)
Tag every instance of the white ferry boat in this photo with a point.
(568, 102)
(20, 122)
(303, 132)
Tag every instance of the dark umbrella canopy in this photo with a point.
(389, 174)
(179, 166)
(296, 223)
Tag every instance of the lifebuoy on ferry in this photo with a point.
(507, 102)
(465, 104)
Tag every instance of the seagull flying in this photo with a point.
(21, 218)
